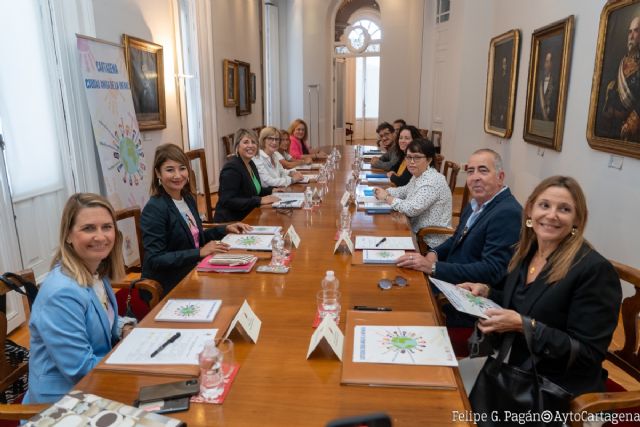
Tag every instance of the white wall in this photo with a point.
(612, 194)
(236, 36)
(150, 20)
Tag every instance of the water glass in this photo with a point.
(211, 375)
(225, 347)
(329, 304)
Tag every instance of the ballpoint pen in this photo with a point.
(369, 308)
(165, 344)
(384, 239)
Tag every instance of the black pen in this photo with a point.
(165, 344)
(384, 239)
(367, 308)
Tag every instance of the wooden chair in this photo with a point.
(426, 231)
(438, 162)
(450, 172)
(17, 412)
(133, 271)
(349, 132)
(436, 138)
(424, 133)
(258, 129)
(466, 195)
(227, 142)
(627, 358)
(205, 191)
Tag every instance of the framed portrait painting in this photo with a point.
(243, 107)
(230, 82)
(549, 66)
(146, 78)
(502, 72)
(614, 110)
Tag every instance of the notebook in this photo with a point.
(189, 310)
(227, 263)
(385, 374)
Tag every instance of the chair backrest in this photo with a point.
(424, 133)
(466, 194)
(203, 191)
(227, 141)
(258, 129)
(628, 358)
(436, 138)
(10, 370)
(134, 213)
(438, 162)
(450, 172)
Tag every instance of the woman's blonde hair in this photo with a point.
(166, 152)
(67, 257)
(295, 124)
(266, 133)
(563, 257)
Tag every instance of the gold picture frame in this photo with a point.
(243, 107)
(549, 65)
(230, 73)
(614, 109)
(146, 78)
(501, 83)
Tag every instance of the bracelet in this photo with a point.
(533, 324)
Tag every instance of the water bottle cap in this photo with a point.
(330, 274)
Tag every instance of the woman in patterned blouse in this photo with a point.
(426, 199)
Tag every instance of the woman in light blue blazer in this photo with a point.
(74, 320)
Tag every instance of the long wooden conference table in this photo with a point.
(276, 385)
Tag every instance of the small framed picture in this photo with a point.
(243, 107)
(549, 66)
(146, 78)
(230, 83)
(253, 88)
(502, 72)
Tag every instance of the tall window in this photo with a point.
(28, 102)
(442, 12)
(367, 86)
(361, 37)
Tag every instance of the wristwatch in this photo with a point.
(433, 269)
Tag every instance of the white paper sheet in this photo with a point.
(137, 347)
(393, 243)
(463, 300)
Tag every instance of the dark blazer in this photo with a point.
(169, 250)
(237, 195)
(400, 180)
(584, 305)
(482, 253)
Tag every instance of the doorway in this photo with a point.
(367, 79)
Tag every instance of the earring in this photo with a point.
(159, 182)
(574, 230)
(528, 223)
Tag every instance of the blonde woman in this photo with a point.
(271, 171)
(74, 320)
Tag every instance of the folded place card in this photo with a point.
(248, 320)
(293, 235)
(329, 331)
(344, 237)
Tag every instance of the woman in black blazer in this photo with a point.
(172, 234)
(240, 188)
(561, 287)
(400, 175)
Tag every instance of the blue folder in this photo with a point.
(376, 175)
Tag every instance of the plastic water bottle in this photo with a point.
(345, 221)
(211, 375)
(277, 250)
(308, 198)
(330, 282)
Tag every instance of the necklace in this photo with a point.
(533, 268)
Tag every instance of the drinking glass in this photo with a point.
(225, 347)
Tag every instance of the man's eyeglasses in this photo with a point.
(414, 159)
(386, 284)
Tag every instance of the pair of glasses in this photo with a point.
(413, 159)
(386, 284)
(272, 138)
(285, 211)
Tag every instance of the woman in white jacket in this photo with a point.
(271, 172)
(426, 199)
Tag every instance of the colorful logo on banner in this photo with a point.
(122, 157)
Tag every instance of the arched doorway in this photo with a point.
(356, 58)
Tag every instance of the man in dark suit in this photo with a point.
(482, 245)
